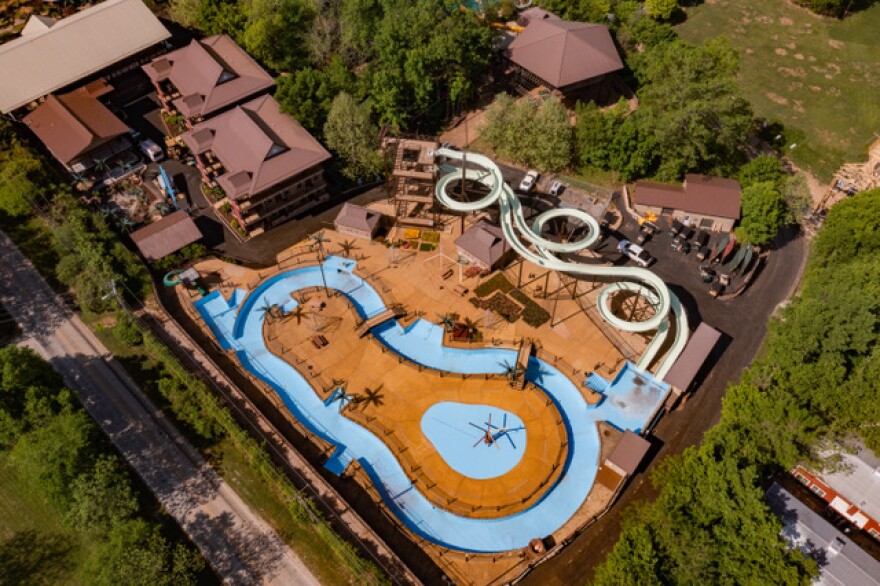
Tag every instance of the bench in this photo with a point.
(461, 290)
(448, 274)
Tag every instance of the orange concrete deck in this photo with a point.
(404, 392)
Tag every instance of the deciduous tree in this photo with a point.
(350, 133)
(763, 211)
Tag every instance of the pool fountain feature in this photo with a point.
(475, 444)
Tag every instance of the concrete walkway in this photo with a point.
(234, 540)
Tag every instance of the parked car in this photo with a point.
(635, 252)
(557, 188)
(529, 181)
(646, 231)
(151, 150)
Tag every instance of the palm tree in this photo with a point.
(125, 224)
(512, 371)
(372, 397)
(319, 239)
(346, 246)
(299, 313)
(447, 320)
(108, 211)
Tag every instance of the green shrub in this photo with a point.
(533, 314)
(497, 283)
(427, 246)
(126, 331)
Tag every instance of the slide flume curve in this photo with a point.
(514, 225)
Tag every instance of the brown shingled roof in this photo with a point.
(564, 53)
(700, 194)
(210, 74)
(73, 124)
(258, 145)
(698, 348)
(629, 452)
(484, 241)
(166, 236)
(357, 218)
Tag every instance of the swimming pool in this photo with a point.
(422, 342)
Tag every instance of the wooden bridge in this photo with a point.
(522, 361)
(393, 312)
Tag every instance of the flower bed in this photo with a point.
(500, 304)
(433, 237)
(497, 283)
(533, 314)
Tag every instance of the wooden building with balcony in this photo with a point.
(260, 165)
(205, 78)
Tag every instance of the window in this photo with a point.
(707, 223)
(667, 211)
(815, 488)
(802, 478)
(874, 533)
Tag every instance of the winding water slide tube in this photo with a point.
(516, 231)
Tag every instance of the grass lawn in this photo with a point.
(34, 547)
(818, 76)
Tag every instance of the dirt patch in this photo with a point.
(777, 98)
(780, 51)
(792, 71)
(836, 44)
(786, 21)
(799, 56)
(815, 88)
(799, 106)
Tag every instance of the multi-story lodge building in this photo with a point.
(268, 167)
(205, 78)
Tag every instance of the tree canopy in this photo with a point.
(814, 384)
(538, 135)
(54, 447)
(763, 211)
(352, 136)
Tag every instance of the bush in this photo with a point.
(501, 304)
(533, 314)
(427, 246)
(497, 283)
(126, 331)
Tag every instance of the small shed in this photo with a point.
(358, 221)
(166, 236)
(685, 370)
(483, 245)
(628, 454)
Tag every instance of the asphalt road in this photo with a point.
(743, 320)
(235, 541)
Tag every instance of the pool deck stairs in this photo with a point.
(597, 383)
(339, 461)
(393, 312)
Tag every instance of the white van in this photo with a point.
(151, 150)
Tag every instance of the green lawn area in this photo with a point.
(34, 547)
(818, 76)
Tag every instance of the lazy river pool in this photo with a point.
(237, 325)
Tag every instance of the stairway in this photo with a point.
(339, 461)
(597, 383)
